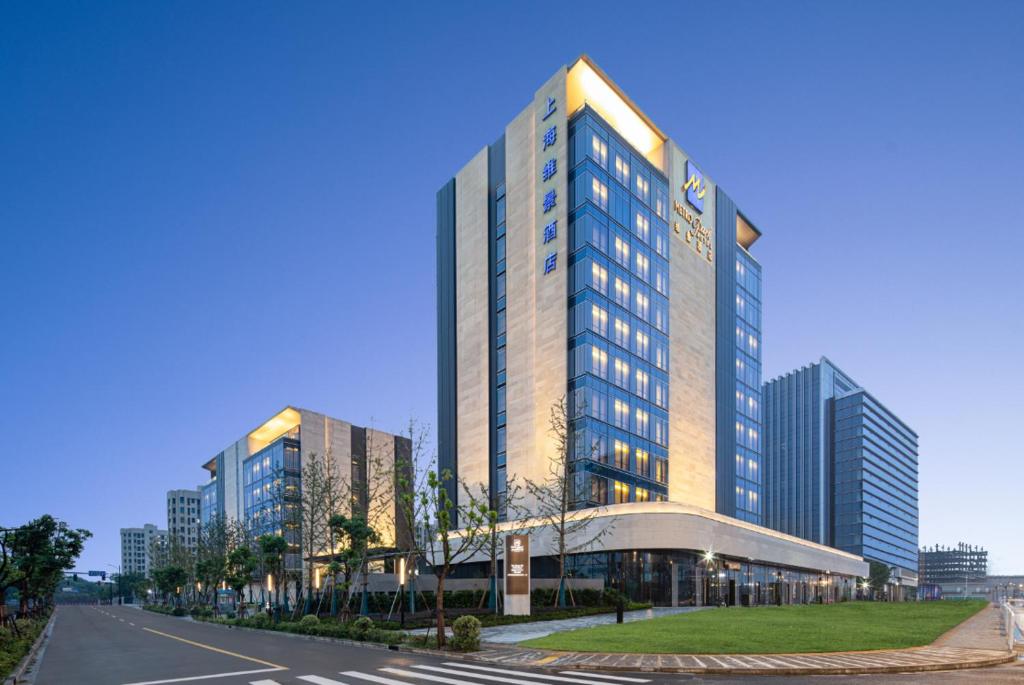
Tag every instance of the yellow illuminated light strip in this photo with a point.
(586, 86)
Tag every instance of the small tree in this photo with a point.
(355, 537)
(446, 544)
(321, 494)
(878, 576)
(40, 551)
(556, 500)
(170, 580)
(272, 551)
(241, 565)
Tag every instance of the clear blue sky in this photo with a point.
(179, 181)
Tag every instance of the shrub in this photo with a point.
(178, 611)
(260, 620)
(201, 612)
(309, 620)
(361, 627)
(467, 634)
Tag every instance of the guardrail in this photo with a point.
(1012, 622)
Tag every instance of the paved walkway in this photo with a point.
(976, 643)
(518, 632)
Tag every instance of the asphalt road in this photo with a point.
(103, 645)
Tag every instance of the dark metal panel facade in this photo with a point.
(447, 437)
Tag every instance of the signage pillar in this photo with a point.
(517, 575)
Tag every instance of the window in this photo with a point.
(621, 373)
(599, 150)
(599, 320)
(643, 306)
(660, 393)
(643, 345)
(621, 493)
(622, 251)
(599, 278)
(621, 292)
(660, 201)
(642, 422)
(643, 267)
(620, 413)
(621, 455)
(501, 359)
(598, 490)
(642, 495)
(660, 278)
(622, 333)
(642, 383)
(642, 188)
(642, 227)
(622, 169)
(642, 462)
(661, 355)
(661, 244)
(660, 430)
(599, 362)
(599, 194)
(661, 470)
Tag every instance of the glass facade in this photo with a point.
(840, 468)
(272, 493)
(689, 578)
(748, 388)
(875, 492)
(208, 502)
(618, 318)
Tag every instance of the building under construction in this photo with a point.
(961, 564)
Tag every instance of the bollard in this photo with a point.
(620, 606)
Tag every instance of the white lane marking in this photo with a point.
(121, 620)
(519, 674)
(207, 677)
(131, 624)
(264, 682)
(376, 678)
(591, 674)
(319, 680)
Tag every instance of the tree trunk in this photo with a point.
(439, 607)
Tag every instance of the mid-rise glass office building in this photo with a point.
(840, 468)
(257, 480)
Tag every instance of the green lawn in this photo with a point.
(848, 626)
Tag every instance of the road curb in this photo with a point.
(18, 676)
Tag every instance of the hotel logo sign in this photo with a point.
(517, 565)
(695, 187)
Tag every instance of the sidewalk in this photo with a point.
(976, 643)
(518, 632)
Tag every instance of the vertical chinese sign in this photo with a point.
(517, 575)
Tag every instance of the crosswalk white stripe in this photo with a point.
(319, 680)
(520, 674)
(436, 678)
(376, 678)
(591, 674)
(264, 682)
(499, 679)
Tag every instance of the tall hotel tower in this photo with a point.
(583, 254)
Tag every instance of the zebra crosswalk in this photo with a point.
(459, 673)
